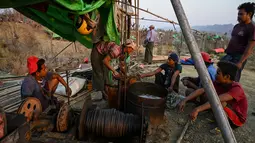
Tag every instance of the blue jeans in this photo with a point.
(235, 59)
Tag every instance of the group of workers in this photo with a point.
(42, 84)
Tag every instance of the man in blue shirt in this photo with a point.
(170, 79)
(41, 84)
(194, 83)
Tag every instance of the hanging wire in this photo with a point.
(75, 47)
(174, 27)
(61, 51)
(146, 19)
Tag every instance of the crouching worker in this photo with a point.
(101, 57)
(170, 79)
(194, 83)
(231, 95)
(41, 84)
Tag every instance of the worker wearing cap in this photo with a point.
(150, 40)
(194, 83)
(170, 79)
(101, 56)
(41, 84)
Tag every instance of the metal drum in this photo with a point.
(151, 97)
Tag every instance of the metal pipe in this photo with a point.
(203, 74)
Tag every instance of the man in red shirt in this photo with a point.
(242, 40)
(231, 95)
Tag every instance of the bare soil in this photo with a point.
(199, 131)
(19, 41)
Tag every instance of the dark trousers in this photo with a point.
(99, 71)
(149, 52)
(234, 59)
(160, 80)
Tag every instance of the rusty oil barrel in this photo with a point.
(153, 107)
(112, 95)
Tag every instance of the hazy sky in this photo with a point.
(199, 12)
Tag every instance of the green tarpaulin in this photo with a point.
(18, 3)
(56, 17)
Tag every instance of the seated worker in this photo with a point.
(101, 56)
(231, 95)
(41, 84)
(194, 83)
(170, 79)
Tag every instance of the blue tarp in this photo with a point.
(187, 61)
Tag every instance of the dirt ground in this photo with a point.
(19, 41)
(199, 131)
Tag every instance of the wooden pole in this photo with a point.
(170, 21)
(183, 132)
(138, 25)
(129, 22)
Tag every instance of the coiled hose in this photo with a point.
(112, 123)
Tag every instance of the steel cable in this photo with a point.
(112, 123)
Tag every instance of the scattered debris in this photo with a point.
(173, 99)
(95, 96)
(215, 131)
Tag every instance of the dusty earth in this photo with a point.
(200, 130)
(12, 40)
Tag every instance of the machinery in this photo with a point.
(70, 124)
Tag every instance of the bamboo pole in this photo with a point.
(170, 21)
(183, 132)
(137, 28)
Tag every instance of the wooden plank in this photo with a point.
(15, 94)
(159, 58)
(8, 87)
(10, 90)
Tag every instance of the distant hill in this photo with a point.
(216, 28)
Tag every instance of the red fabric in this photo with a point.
(1, 126)
(32, 64)
(110, 48)
(86, 60)
(239, 104)
(206, 57)
(219, 50)
(233, 117)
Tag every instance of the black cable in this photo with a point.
(112, 123)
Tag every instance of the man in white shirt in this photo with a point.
(150, 38)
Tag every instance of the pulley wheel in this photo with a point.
(63, 118)
(30, 106)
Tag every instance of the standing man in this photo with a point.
(150, 39)
(101, 56)
(242, 39)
